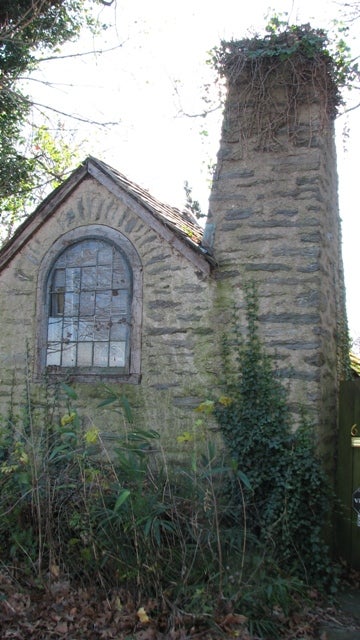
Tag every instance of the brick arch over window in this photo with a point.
(90, 307)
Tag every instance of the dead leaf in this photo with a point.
(62, 627)
(142, 615)
(54, 570)
(232, 619)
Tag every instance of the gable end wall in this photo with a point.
(176, 338)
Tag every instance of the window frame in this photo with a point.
(46, 270)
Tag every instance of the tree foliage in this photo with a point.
(27, 29)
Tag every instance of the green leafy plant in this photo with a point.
(127, 518)
(287, 505)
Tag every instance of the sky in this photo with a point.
(150, 82)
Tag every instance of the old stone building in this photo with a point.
(104, 284)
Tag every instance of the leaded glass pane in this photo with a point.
(73, 279)
(103, 303)
(75, 255)
(88, 281)
(68, 355)
(59, 279)
(58, 293)
(86, 330)
(104, 277)
(101, 354)
(71, 306)
(88, 252)
(87, 303)
(117, 354)
(105, 255)
(119, 329)
(121, 273)
(55, 329)
(61, 261)
(53, 356)
(101, 329)
(70, 330)
(120, 301)
(85, 354)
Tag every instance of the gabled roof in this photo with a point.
(179, 228)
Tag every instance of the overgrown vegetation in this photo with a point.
(232, 530)
(292, 64)
(287, 505)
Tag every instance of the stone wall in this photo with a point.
(274, 213)
(176, 350)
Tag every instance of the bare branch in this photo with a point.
(84, 53)
(72, 116)
(199, 115)
(356, 106)
(47, 83)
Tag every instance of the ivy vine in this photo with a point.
(290, 66)
(288, 502)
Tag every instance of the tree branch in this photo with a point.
(352, 108)
(199, 115)
(79, 55)
(70, 115)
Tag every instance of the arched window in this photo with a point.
(91, 305)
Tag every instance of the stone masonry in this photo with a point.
(176, 346)
(274, 219)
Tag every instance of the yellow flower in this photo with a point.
(67, 418)
(206, 407)
(185, 437)
(92, 435)
(225, 401)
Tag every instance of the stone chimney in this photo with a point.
(274, 215)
